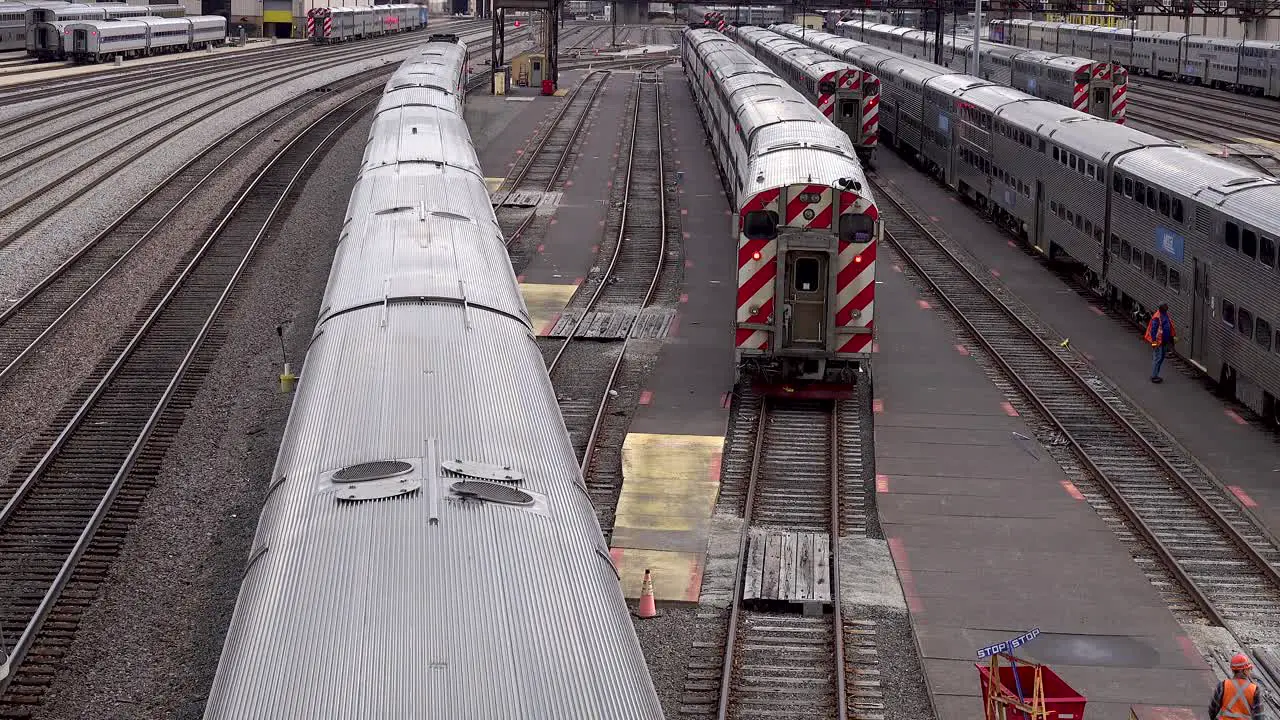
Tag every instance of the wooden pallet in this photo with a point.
(614, 325)
(790, 567)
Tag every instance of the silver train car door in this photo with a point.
(80, 41)
(805, 311)
(1200, 315)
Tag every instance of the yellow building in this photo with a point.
(528, 69)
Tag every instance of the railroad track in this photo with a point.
(19, 216)
(71, 499)
(538, 171)
(608, 310)
(782, 664)
(1213, 560)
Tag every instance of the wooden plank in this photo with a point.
(772, 561)
(822, 567)
(755, 565)
(787, 567)
(804, 567)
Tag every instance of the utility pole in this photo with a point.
(977, 38)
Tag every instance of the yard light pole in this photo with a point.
(977, 38)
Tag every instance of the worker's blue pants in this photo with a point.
(1157, 360)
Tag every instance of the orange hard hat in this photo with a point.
(1240, 662)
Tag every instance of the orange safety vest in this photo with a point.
(1157, 322)
(1237, 699)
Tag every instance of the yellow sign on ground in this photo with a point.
(545, 303)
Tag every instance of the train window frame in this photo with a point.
(750, 217)
(1055, 153)
(1266, 247)
(1229, 313)
(1117, 184)
(797, 274)
(1162, 273)
(1091, 170)
(1139, 192)
(1149, 265)
(1115, 245)
(1244, 322)
(1178, 214)
(1249, 243)
(1175, 281)
(1151, 198)
(1126, 251)
(1164, 204)
(1231, 236)
(1262, 333)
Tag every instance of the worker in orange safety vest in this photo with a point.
(1237, 697)
(1162, 336)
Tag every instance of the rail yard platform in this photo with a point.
(1243, 455)
(671, 457)
(990, 542)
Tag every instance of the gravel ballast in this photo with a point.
(150, 645)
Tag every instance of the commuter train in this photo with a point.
(1245, 66)
(340, 24)
(1147, 220)
(92, 41)
(427, 548)
(849, 97)
(805, 221)
(1096, 87)
(46, 25)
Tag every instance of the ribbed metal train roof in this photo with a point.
(412, 133)
(1099, 138)
(1234, 190)
(1036, 115)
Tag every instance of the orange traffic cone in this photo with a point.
(647, 608)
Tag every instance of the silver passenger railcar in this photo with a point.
(427, 548)
(99, 40)
(13, 21)
(1145, 220)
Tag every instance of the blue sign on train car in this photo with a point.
(1169, 242)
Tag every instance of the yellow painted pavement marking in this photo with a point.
(545, 303)
(669, 489)
(493, 184)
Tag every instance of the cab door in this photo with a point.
(1200, 310)
(805, 311)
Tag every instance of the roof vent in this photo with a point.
(371, 471)
(483, 471)
(1241, 181)
(492, 492)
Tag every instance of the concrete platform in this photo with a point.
(989, 542)
(671, 459)
(1243, 455)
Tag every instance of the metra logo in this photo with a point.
(1169, 243)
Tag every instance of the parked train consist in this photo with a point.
(46, 25)
(1096, 87)
(1246, 66)
(1147, 220)
(340, 24)
(92, 41)
(426, 485)
(847, 95)
(805, 220)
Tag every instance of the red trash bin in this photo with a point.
(548, 87)
(1059, 697)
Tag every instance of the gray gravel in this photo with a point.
(149, 646)
(668, 641)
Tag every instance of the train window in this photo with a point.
(1139, 192)
(1267, 251)
(1043, 144)
(1088, 227)
(1228, 313)
(1151, 197)
(1115, 244)
(761, 225)
(1232, 236)
(1126, 251)
(1055, 152)
(1097, 234)
(1162, 272)
(1175, 281)
(1249, 244)
(1079, 222)
(1128, 188)
(1072, 162)
(1177, 210)
(1263, 333)
(1149, 265)
(807, 275)
(1117, 184)
(1091, 171)
(1244, 323)
(856, 228)
(1164, 204)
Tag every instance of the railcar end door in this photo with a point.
(1200, 298)
(1037, 229)
(806, 309)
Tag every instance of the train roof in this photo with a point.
(1098, 138)
(1230, 188)
(135, 23)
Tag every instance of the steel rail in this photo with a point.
(27, 639)
(837, 613)
(598, 422)
(532, 157)
(1200, 597)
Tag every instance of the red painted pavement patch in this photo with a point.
(725, 399)
(1096, 310)
(882, 483)
(688, 263)
(897, 267)
(877, 406)
(1008, 409)
(646, 397)
(995, 272)
(924, 304)
(962, 350)
(684, 297)
(1012, 244)
(713, 470)
(1072, 490)
(1242, 496)
(1189, 650)
(1235, 418)
(579, 281)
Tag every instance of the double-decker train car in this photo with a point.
(805, 222)
(1096, 87)
(98, 40)
(1145, 220)
(426, 482)
(847, 95)
(340, 24)
(1245, 66)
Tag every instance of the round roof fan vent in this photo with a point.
(372, 471)
(492, 492)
